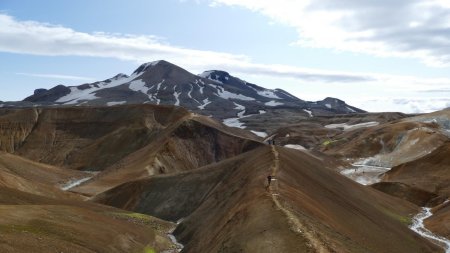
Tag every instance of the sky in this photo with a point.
(378, 55)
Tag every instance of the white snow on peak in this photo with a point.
(221, 92)
(176, 95)
(76, 95)
(206, 74)
(273, 103)
(198, 82)
(238, 106)
(190, 90)
(205, 103)
(328, 105)
(260, 134)
(158, 87)
(209, 75)
(139, 86)
(241, 114)
(347, 127)
(151, 64)
(309, 112)
(268, 94)
(116, 103)
(350, 109)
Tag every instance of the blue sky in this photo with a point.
(312, 49)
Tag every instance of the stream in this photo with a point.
(419, 228)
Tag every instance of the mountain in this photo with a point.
(214, 93)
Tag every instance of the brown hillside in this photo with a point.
(32, 223)
(187, 145)
(308, 208)
(83, 138)
(389, 144)
(430, 173)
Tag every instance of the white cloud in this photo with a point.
(57, 76)
(401, 28)
(403, 104)
(28, 37)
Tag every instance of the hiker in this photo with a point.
(269, 179)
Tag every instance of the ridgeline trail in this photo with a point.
(295, 223)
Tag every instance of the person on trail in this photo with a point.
(269, 179)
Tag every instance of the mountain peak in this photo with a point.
(216, 75)
(146, 66)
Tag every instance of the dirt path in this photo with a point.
(295, 223)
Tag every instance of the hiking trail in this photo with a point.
(296, 224)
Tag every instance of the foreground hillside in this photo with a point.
(226, 207)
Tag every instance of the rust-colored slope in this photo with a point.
(389, 144)
(439, 223)
(308, 208)
(88, 138)
(37, 178)
(430, 173)
(35, 171)
(188, 144)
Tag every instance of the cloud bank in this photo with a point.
(28, 37)
(402, 28)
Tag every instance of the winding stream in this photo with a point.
(172, 238)
(419, 228)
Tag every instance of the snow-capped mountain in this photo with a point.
(214, 93)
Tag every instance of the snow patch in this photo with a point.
(328, 106)
(158, 87)
(262, 111)
(309, 112)
(139, 86)
(347, 127)
(273, 103)
(116, 103)
(221, 92)
(76, 95)
(260, 134)
(241, 114)
(205, 103)
(190, 90)
(72, 184)
(350, 109)
(238, 106)
(365, 174)
(234, 122)
(268, 94)
(295, 146)
(176, 95)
